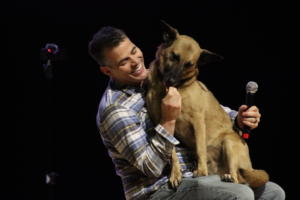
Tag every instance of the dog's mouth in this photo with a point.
(171, 82)
(172, 78)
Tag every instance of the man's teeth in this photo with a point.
(138, 69)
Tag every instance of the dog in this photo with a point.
(203, 125)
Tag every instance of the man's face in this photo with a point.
(125, 63)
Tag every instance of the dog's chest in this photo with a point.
(193, 99)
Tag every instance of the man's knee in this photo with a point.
(270, 191)
(279, 194)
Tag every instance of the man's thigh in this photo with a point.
(206, 187)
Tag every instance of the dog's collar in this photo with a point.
(189, 80)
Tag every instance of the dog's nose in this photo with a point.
(170, 82)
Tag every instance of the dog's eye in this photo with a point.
(188, 64)
(175, 57)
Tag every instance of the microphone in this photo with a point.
(251, 89)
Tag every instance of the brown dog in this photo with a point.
(203, 125)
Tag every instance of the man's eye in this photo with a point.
(134, 50)
(123, 63)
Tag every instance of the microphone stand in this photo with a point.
(49, 56)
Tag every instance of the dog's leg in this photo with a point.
(176, 174)
(231, 159)
(201, 151)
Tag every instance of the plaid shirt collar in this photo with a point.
(128, 89)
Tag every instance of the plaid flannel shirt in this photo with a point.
(140, 151)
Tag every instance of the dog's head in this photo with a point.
(179, 57)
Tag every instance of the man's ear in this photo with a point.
(105, 70)
(170, 33)
(208, 57)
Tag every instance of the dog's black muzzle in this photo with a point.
(172, 76)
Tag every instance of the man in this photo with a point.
(140, 150)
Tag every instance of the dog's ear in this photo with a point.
(170, 33)
(208, 57)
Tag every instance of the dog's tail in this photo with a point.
(254, 177)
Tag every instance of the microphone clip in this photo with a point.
(49, 54)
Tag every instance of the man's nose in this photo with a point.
(134, 60)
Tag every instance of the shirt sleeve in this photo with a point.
(147, 152)
(232, 113)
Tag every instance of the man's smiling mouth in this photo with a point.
(138, 69)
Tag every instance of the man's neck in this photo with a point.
(119, 85)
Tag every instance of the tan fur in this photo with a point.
(203, 125)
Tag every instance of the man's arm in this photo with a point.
(122, 129)
(244, 116)
(232, 113)
(170, 109)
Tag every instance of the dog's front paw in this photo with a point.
(175, 178)
(229, 178)
(200, 172)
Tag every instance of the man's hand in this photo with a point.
(170, 109)
(249, 117)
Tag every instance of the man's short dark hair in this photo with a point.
(107, 37)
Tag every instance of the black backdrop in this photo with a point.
(244, 33)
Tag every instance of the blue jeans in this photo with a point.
(211, 187)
